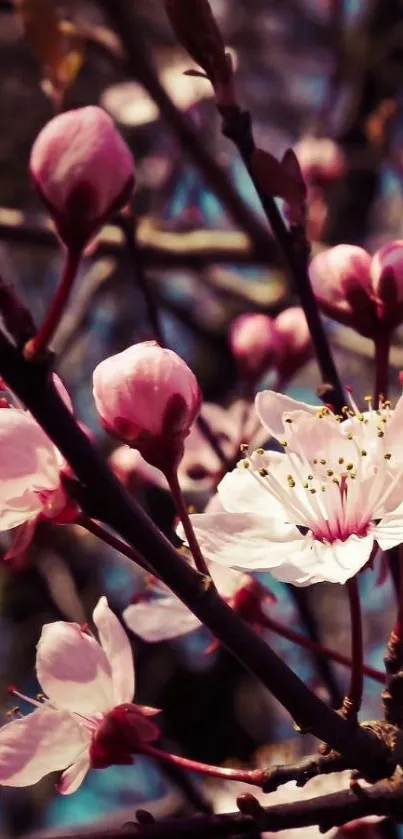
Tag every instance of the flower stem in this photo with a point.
(200, 562)
(302, 641)
(237, 126)
(352, 702)
(113, 541)
(256, 777)
(394, 654)
(128, 225)
(382, 349)
(39, 343)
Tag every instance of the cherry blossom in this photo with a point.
(87, 719)
(313, 512)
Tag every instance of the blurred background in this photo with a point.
(316, 68)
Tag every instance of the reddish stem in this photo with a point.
(200, 562)
(382, 349)
(314, 647)
(256, 777)
(43, 337)
(352, 701)
(113, 541)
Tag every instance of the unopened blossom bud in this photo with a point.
(364, 293)
(83, 170)
(253, 341)
(148, 397)
(294, 347)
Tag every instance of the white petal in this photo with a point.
(241, 491)
(161, 619)
(389, 531)
(44, 741)
(226, 580)
(271, 406)
(336, 562)
(117, 647)
(73, 669)
(246, 541)
(73, 777)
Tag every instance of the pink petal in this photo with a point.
(246, 541)
(161, 619)
(116, 646)
(28, 463)
(44, 741)
(271, 406)
(73, 777)
(20, 540)
(73, 669)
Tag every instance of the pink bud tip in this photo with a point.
(253, 342)
(148, 397)
(83, 170)
(294, 342)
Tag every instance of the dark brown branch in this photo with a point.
(108, 502)
(383, 799)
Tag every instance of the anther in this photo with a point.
(263, 473)
(387, 456)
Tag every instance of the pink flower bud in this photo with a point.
(387, 283)
(83, 170)
(148, 397)
(294, 346)
(364, 293)
(253, 342)
(320, 159)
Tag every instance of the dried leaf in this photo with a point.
(56, 44)
(278, 178)
(196, 29)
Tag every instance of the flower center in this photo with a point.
(334, 476)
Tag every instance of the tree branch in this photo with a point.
(110, 503)
(383, 799)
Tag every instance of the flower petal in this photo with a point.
(241, 491)
(28, 464)
(339, 561)
(44, 741)
(161, 619)
(389, 531)
(271, 406)
(116, 646)
(246, 541)
(73, 777)
(73, 669)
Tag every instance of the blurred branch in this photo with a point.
(383, 799)
(159, 247)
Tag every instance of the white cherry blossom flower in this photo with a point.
(87, 718)
(313, 512)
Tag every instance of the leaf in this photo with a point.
(278, 178)
(56, 44)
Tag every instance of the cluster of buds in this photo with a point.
(358, 290)
(260, 343)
